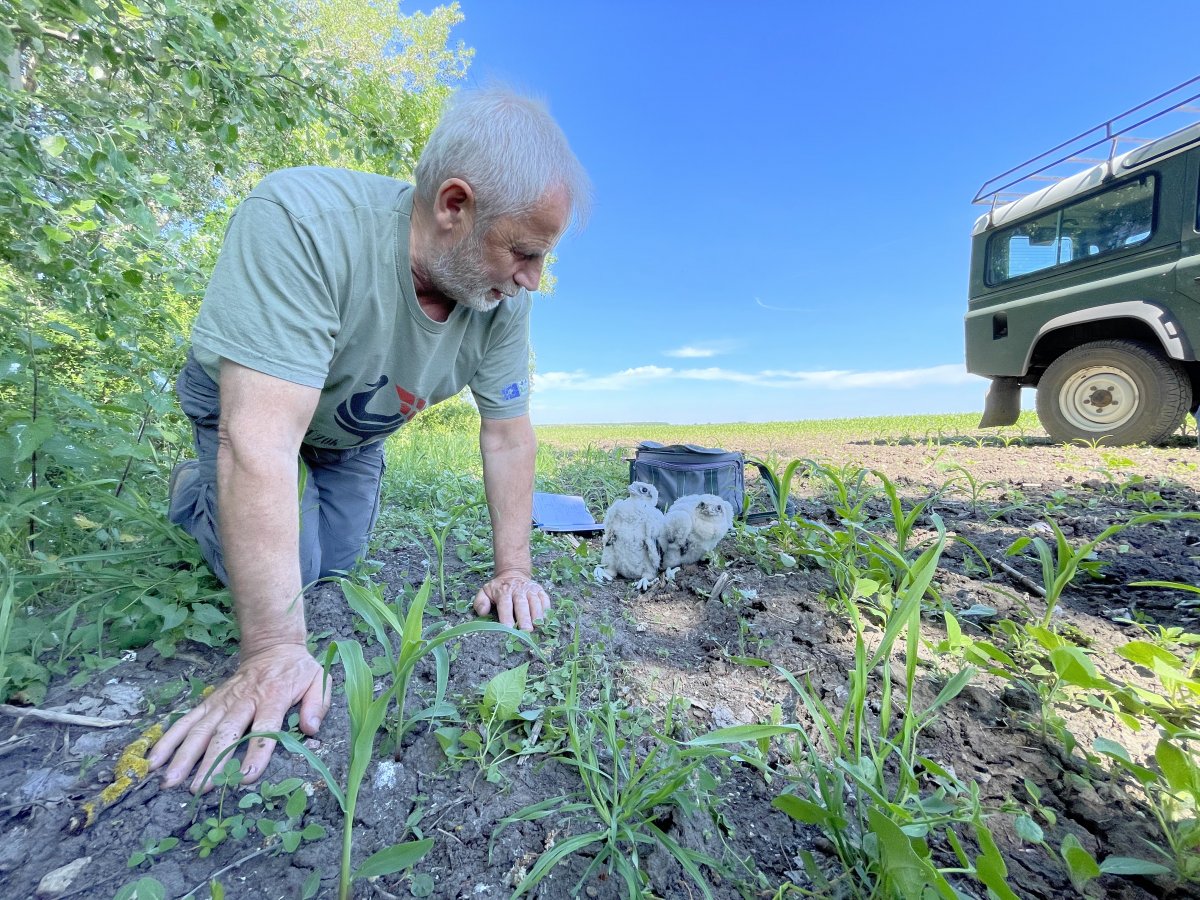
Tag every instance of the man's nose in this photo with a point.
(529, 276)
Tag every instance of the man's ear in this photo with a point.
(454, 206)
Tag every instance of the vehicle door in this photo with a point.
(1189, 262)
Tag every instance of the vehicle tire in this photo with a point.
(1113, 392)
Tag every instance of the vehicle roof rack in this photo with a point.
(1011, 185)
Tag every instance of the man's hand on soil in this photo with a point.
(256, 698)
(517, 599)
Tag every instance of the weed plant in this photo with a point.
(627, 797)
(501, 730)
(1172, 792)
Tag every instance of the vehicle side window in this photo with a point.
(1104, 223)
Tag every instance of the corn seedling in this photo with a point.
(441, 535)
(867, 791)
(366, 718)
(846, 488)
(975, 488)
(385, 621)
(1061, 563)
(779, 485)
(903, 523)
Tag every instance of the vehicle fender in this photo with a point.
(1164, 325)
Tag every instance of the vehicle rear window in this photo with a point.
(1119, 218)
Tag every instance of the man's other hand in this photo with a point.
(517, 599)
(256, 698)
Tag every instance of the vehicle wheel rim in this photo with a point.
(1099, 398)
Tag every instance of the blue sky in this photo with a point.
(782, 210)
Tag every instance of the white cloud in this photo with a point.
(779, 379)
(702, 349)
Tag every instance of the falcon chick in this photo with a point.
(631, 530)
(673, 539)
(706, 518)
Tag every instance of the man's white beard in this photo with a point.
(459, 273)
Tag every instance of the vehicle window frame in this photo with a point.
(1057, 212)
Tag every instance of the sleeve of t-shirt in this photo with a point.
(268, 305)
(501, 384)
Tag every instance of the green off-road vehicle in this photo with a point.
(1089, 288)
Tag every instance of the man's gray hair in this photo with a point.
(508, 148)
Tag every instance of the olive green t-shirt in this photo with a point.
(313, 285)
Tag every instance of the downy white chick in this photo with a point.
(673, 539)
(631, 529)
(706, 518)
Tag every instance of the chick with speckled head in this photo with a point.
(693, 526)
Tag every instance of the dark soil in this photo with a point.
(671, 646)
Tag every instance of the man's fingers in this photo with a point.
(542, 601)
(227, 733)
(259, 754)
(521, 608)
(314, 704)
(173, 738)
(518, 603)
(268, 717)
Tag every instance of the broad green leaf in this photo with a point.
(393, 859)
(904, 871)
(502, 696)
(1145, 654)
(1073, 666)
(1178, 768)
(1028, 830)
(989, 866)
(1111, 748)
(142, 889)
(1128, 865)
(53, 144)
(207, 614)
(803, 810)
(27, 437)
(1081, 865)
(297, 804)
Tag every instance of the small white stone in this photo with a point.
(57, 882)
(386, 773)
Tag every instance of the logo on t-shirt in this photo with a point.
(353, 416)
(515, 390)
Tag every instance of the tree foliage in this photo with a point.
(127, 130)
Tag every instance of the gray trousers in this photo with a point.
(337, 511)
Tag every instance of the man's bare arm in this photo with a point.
(263, 420)
(509, 448)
